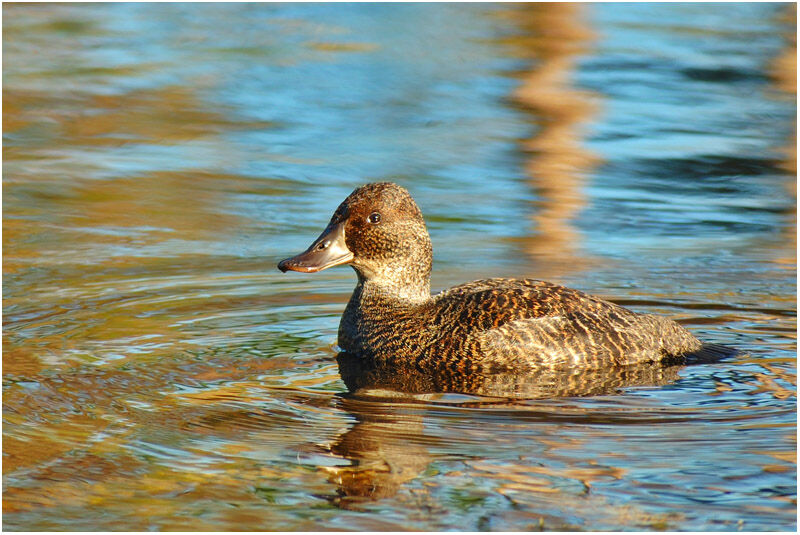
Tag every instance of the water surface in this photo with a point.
(160, 373)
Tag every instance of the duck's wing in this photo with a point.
(579, 338)
(490, 303)
(532, 322)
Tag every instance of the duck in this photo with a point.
(498, 325)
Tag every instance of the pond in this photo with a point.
(159, 372)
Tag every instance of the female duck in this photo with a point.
(485, 326)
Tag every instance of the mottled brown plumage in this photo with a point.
(485, 326)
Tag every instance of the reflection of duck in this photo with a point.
(386, 450)
(483, 326)
(360, 375)
(387, 446)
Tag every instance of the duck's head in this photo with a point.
(379, 231)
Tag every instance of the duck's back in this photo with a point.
(515, 323)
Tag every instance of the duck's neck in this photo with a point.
(403, 288)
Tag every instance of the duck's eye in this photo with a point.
(374, 218)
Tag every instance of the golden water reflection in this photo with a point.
(554, 36)
(783, 73)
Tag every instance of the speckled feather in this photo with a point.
(483, 326)
(502, 324)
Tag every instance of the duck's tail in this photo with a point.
(709, 353)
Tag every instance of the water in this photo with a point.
(160, 373)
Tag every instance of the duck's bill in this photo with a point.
(327, 251)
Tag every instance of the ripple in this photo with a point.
(160, 374)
